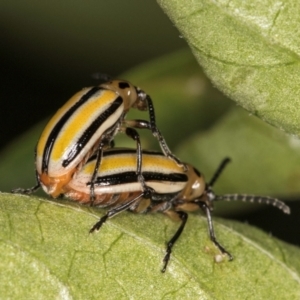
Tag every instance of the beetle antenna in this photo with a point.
(220, 169)
(255, 199)
(242, 197)
(101, 77)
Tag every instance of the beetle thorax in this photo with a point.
(195, 186)
(124, 89)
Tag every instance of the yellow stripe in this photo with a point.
(53, 121)
(79, 121)
(76, 123)
(160, 162)
(117, 162)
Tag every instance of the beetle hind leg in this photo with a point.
(99, 155)
(116, 210)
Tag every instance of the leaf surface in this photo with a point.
(46, 252)
(250, 50)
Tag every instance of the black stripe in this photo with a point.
(131, 177)
(90, 131)
(57, 128)
(120, 151)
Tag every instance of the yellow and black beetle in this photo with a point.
(170, 190)
(85, 125)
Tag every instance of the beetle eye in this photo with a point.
(123, 85)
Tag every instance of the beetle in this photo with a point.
(86, 124)
(170, 190)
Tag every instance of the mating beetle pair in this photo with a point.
(73, 158)
(86, 125)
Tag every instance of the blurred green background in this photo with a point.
(50, 50)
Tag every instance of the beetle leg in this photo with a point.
(26, 191)
(167, 152)
(158, 135)
(93, 179)
(135, 136)
(30, 190)
(151, 113)
(114, 211)
(212, 232)
(112, 144)
(183, 217)
(142, 124)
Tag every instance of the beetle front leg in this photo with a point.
(142, 124)
(212, 232)
(156, 133)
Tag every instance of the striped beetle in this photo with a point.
(85, 125)
(170, 190)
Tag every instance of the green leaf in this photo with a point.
(250, 50)
(46, 252)
(265, 161)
